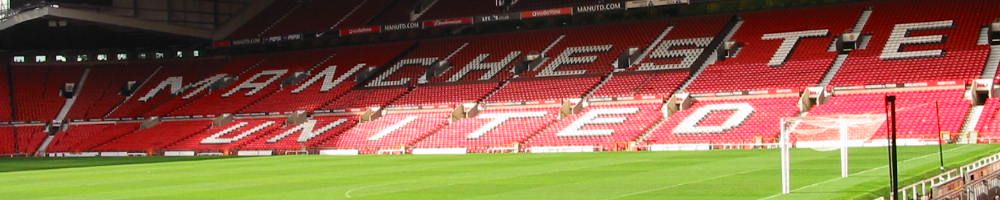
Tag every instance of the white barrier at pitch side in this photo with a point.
(74, 155)
(440, 151)
(339, 152)
(562, 149)
(680, 147)
(178, 153)
(255, 153)
(114, 154)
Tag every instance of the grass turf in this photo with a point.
(745, 174)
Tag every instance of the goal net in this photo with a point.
(831, 132)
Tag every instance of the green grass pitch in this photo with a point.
(740, 174)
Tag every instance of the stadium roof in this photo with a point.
(192, 18)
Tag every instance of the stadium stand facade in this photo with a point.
(720, 81)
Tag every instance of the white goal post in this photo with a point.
(826, 133)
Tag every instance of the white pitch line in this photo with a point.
(682, 184)
(862, 172)
(348, 193)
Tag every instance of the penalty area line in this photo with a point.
(862, 172)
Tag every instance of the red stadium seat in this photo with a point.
(84, 137)
(805, 64)
(393, 131)
(155, 138)
(514, 125)
(37, 90)
(227, 137)
(325, 128)
(607, 127)
(711, 127)
(322, 92)
(962, 58)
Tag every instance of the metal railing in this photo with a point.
(926, 188)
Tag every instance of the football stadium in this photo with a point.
(500, 99)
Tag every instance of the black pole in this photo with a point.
(10, 89)
(937, 110)
(890, 102)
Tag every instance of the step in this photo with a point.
(990, 70)
(713, 55)
(348, 15)
(553, 44)
(598, 86)
(279, 20)
(129, 97)
(837, 64)
(68, 105)
(973, 119)
(862, 21)
(841, 58)
(984, 36)
(45, 145)
(456, 51)
(416, 14)
(653, 45)
(646, 134)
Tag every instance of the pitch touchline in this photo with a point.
(862, 172)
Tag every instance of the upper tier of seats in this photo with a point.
(790, 53)
(478, 65)
(491, 57)
(666, 65)
(544, 90)
(266, 18)
(330, 80)
(38, 89)
(449, 94)
(594, 49)
(188, 103)
(309, 16)
(102, 90)
(951, 55)
(303, 18)
(312, 16)
(241, 92)
(5, 95)
(409, 69)
(190, 71)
